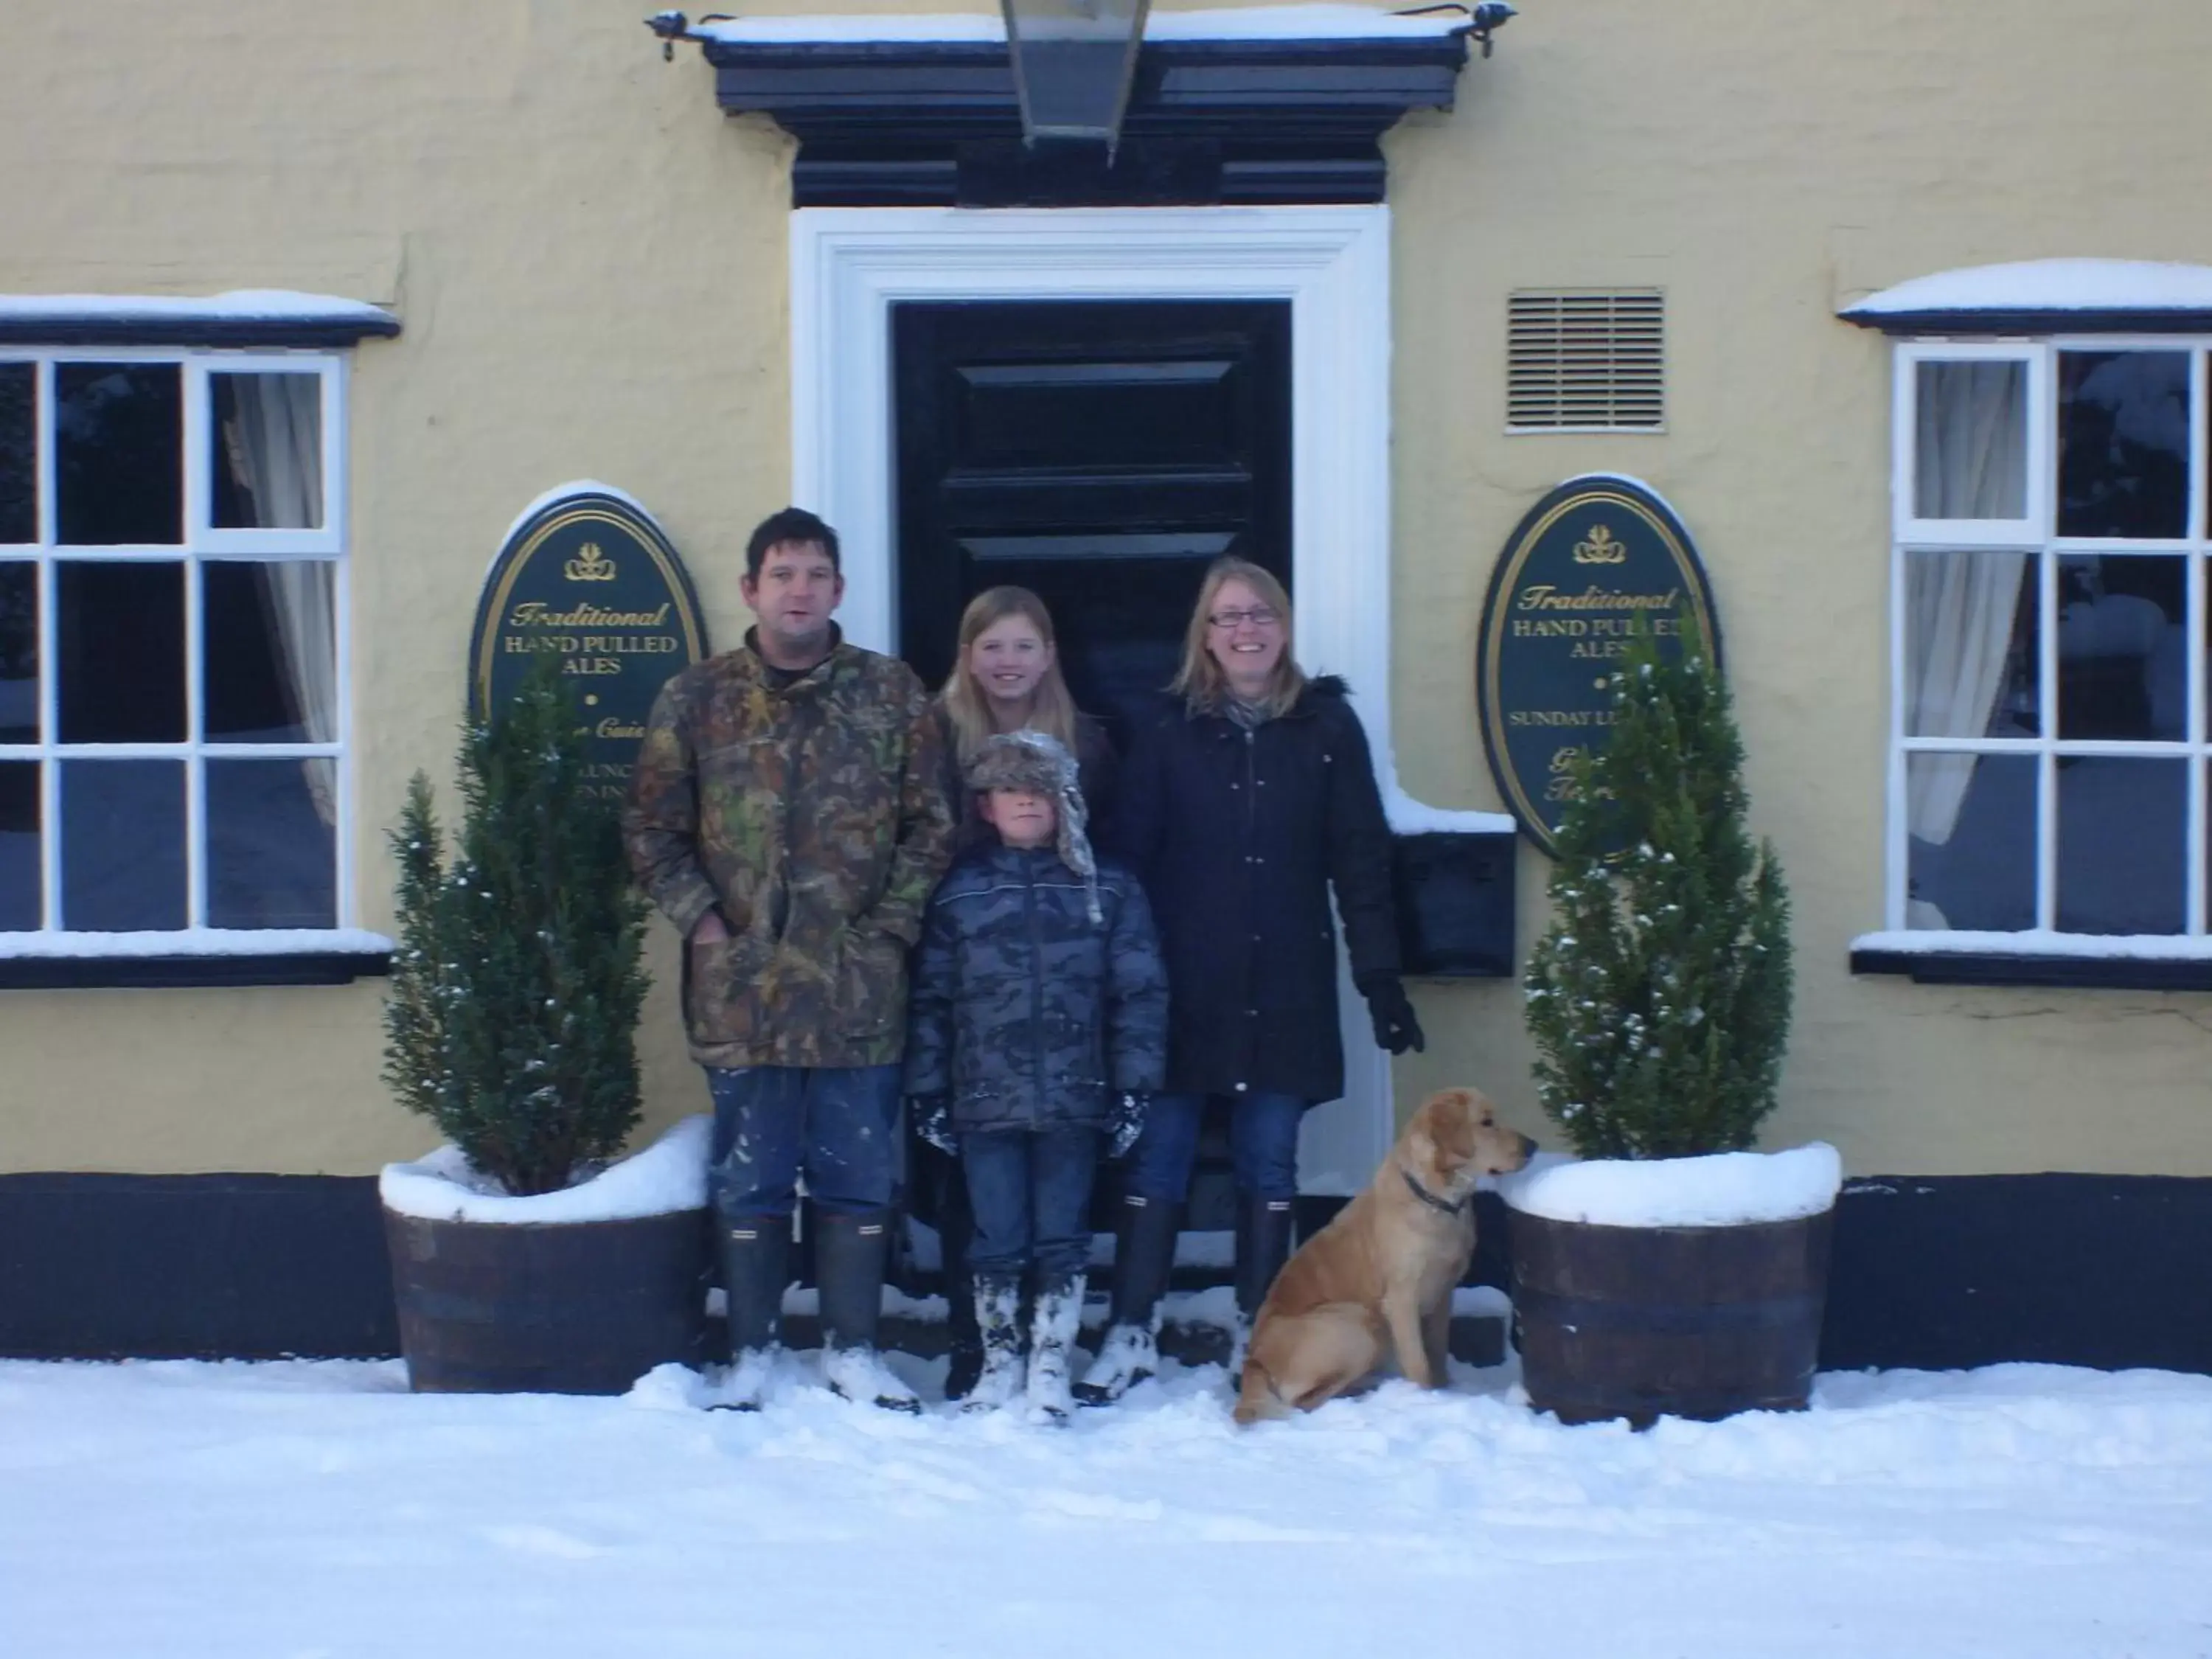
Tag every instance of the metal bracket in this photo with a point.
(673, 26)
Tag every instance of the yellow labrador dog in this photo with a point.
(1378, 1280)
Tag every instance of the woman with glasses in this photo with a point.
(1242, 806)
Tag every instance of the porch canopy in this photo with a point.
(1268, 104)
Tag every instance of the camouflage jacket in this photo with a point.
(1026, 1012)
(813, 815)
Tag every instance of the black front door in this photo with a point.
(1099, 453)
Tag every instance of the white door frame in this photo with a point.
(849, 266)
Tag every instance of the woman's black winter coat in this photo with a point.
(1238, 836)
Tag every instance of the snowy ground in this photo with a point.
(295, 1509)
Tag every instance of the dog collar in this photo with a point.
(1431, 1198)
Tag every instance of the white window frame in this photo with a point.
(328, 542)
(201, 543)
(1903, 424)
(2037, 537)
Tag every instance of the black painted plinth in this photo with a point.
(1940, 1272)
(199, 1266)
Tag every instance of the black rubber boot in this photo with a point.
(1263, 1244)
(956, 1231)
(755, 1268)
(849, 1268)
(1144, 1255)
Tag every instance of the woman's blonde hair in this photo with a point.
(1052, 711)
(1203, 685)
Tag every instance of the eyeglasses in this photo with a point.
(1259, 616)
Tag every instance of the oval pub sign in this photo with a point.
(589, 577)
(1590, 557)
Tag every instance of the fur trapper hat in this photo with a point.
(1038, 761)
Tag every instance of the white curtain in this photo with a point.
(1970, 440)
(1969, 462)
(276, 445)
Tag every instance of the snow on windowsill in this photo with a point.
(1724, 1190)
(200, 942)
(668, 1176)
(2143, 947)
(268, 304)
(1314, 22)
(2048, 285)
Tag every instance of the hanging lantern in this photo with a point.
(1073, 62)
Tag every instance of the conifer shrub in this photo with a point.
(516, 987)
(1659, 997)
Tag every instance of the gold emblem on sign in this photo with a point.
(1601, 547)
(590, 565)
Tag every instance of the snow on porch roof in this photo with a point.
(240, 316)
(1315, 23)
(2039, 295)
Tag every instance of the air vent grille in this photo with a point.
(1585, 360)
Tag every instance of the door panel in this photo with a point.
(1100, 454)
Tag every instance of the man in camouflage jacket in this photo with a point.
(787, 815)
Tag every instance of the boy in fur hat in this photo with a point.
(1038, 1026)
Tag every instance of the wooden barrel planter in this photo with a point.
(585, 1307)
(1641, 1323)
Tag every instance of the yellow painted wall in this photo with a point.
(1764, 165)
(589, 261)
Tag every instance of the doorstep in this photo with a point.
(1194, 1327)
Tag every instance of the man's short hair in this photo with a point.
(793, 524)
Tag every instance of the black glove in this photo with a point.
(1392, 1011)
(932, 1122)
(1128, 1122)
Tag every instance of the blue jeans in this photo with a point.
(1263, 1144)
(841, 1122)
(1032, 1195)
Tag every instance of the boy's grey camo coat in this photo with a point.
(1026, 1012)
(814, 815)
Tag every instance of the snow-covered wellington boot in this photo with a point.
(999, 1321)
(1263, 1245)
(744, 1385)
(1127, 1354)
(858, 1373)
(1051, 1345)
(754, 1257)
(1144, 1253)
(848, 1266)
